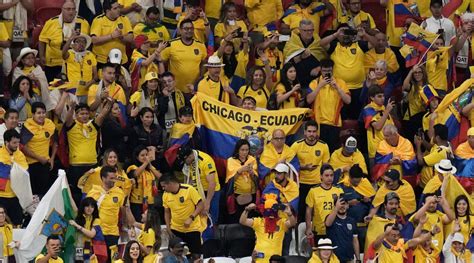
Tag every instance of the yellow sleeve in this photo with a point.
(280, 89)
(43, 37)
(309, 198)
(165, 200)
(91, 94)
(194, 195)
(127, 26)
(39, 257)
(434, 157)
(136, 97)
(148, 238)
(240, 93)
(326, 154)
(96, 28)
(343, 86)
(210, 167)
(219, 30)
(85, 27)
(3, 33)
(165, 54)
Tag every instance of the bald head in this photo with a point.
(69, 11)
(278, 138)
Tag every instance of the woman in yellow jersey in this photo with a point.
(92, 177)
(6, 231)
(259, 83)
(143, 61)
(289, 90)
(27, 67)
(132, 253)
(463, 217)
(228, 22)
(144, 188)
(241, 175)
(87, 224)
(414, 106)
(324, 252)
(21, 97)
(150, 237)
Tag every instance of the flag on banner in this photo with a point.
(419, 38)
(221, 125)
(51, 217)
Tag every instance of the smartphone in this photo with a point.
(279, 207)
(260, 255)
(134, 104)
(77, 27)
(239, 33)
(327, 76)
(350, 32)
(283, 38)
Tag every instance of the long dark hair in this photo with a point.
(468, 211)
(126, 254)
(251, 72)
(153, 222)
(230, 63)
(142, 112)
(88, 201)
(284, 78)
(15, 91)
(136, 153)
(239, 144)
(224, 9)
(147, 93)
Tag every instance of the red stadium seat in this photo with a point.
(45, 13)
(35, 36)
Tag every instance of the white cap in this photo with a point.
(115, 56)
(458, 237)
(282, 168)
(351, 144)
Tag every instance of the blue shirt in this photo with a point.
(341, 233)
(174, 259)
(359, 211)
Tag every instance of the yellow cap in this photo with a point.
(470, 132)
(150, 76)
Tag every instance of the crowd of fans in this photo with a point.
(371, 171)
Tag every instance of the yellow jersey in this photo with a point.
(338, 161)
(322, 202)
(53, 36)
(315, 155)
(243, 182)
(214, 89)
(155, 33)
(261, 95)
(313, 12)
(260, 13)
(184, 61)
(143, 188)
(268, 244)
(435, 218)
(206, 166)
(82, 141)
(109, 203)
(38, 137)
(80, 72)
(328, 104)
(222, 29)
(182, 205)
(51, 260)
(199, 28)
(436, 154)
(388, 56)
(349, 63)
(102, 26)
(394, 32)
(292, 101)
(4, 36)
(87, 181)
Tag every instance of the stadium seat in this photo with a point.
(220, 260)
(296, 259)
(239, 240)
(245, 260)
(44, 13)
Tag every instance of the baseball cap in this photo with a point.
(150, 76)
(282, 168)
(351, 145)
(176, 241)
(458, 237)
(140, 40)
(115, 56)
(470, 132)
(186, 110)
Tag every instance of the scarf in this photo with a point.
(381, 82)
(364, 188)
(295, 45)
(68, 28)
(18, 14)
(188, 176)
(79, 56)
(463, 257)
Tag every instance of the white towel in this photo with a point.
(17, 13)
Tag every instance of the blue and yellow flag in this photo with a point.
(221, 125)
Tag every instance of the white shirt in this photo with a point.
(449, 257)
(433, 25)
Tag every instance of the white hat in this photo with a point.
(282, 168)
(325, 243)
(351, 144)
(445, 166)
(88, 39)
(458, 237)
(214, 62)
(115, 56)
(25, 51)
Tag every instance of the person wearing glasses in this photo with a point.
(356, 17)
(274, 153)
